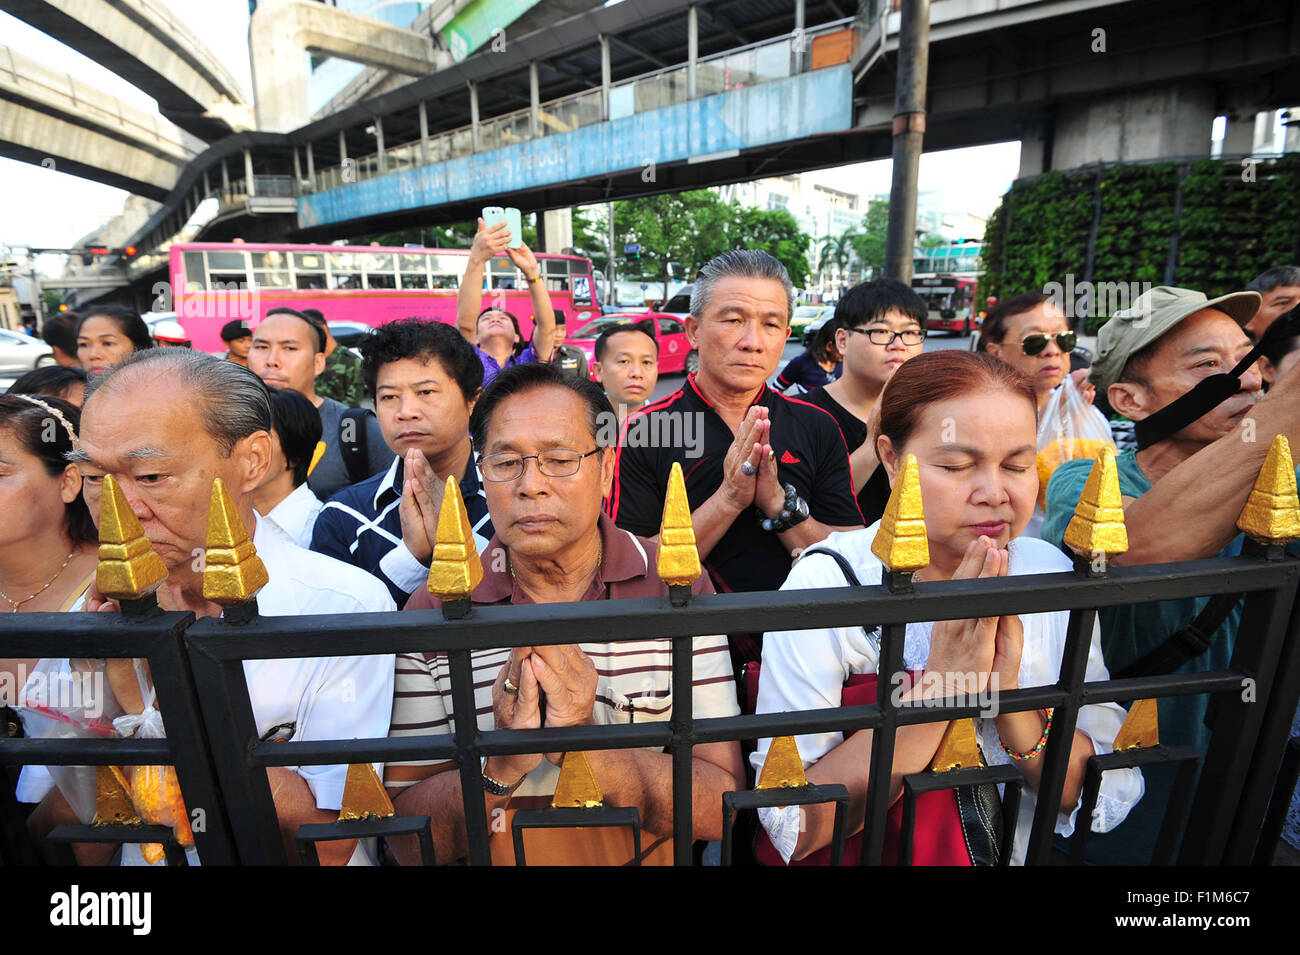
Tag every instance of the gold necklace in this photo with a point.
(17, 603)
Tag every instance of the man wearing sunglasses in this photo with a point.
(1030, 333)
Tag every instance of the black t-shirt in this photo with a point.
(810, 454)
(875, 493)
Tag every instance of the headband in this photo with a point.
(67, 425)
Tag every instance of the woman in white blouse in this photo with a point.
(970, 420)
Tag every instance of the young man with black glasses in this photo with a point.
(878, 325)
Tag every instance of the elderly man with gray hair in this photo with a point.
(206, 418)
(771, 476)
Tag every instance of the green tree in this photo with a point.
(836, 251)
(869, 244)
(932, 240)
(685, 229)
(777, 233)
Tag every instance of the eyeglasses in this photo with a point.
(1033, 344)
(557, 462)
(886, 336)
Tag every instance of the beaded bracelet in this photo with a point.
(1038, 747)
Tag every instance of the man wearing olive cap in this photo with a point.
(1182, 490)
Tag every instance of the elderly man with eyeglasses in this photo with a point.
(541, 438)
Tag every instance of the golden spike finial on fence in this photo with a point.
(958, 749)
(577, 786)
(1097, 527)
(129, 568)
(364, 795)
(679, 559)
(232, 571)
(1271, 515)
(112, 799)
(783, 767)
(901, 542)
(1141, 728)
(455, 569)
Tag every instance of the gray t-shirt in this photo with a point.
(331, 475)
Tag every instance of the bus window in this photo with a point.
(309, 270)
(414, 271)
(227, 268)
(270, 269)
(195, 278)
(379, 270)
(345, 272)
(271, 279)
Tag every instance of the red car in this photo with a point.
(675, 353)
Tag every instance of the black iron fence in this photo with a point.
(197, 666)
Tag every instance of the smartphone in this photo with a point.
(516, 228)
(494, 214)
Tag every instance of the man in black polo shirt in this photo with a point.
(766, 475)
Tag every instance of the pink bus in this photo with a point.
(214, 282)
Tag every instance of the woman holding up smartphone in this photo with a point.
(493, 331)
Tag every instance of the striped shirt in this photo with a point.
(635, 677)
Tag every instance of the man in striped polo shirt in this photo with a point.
(424, 379)
(542, 440)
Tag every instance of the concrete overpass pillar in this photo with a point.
(1161, 122)
(555, 231)
(1036, 148)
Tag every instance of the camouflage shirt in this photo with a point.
(341, 379)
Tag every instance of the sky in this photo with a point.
(47, 208)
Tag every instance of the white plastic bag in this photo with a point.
(70, 699)
(1069, 427)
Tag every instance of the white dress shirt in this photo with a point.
(296, 514)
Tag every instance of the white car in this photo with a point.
(21, 353)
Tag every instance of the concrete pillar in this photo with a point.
(250, 187)
(555, 230)
(692, 48)
(473, 116)
(311, 165)
(1159, 123)
(225, 177)
(343, 148)
(1035, 148)
(297, 169)
(1241, 132)
(379, 143)
(604, 76)
(534, 101)
(207, 188)
(798, 31)
(424, 134)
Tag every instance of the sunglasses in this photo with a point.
(1033, 344)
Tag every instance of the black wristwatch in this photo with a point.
(794, 511)
(493, 786)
